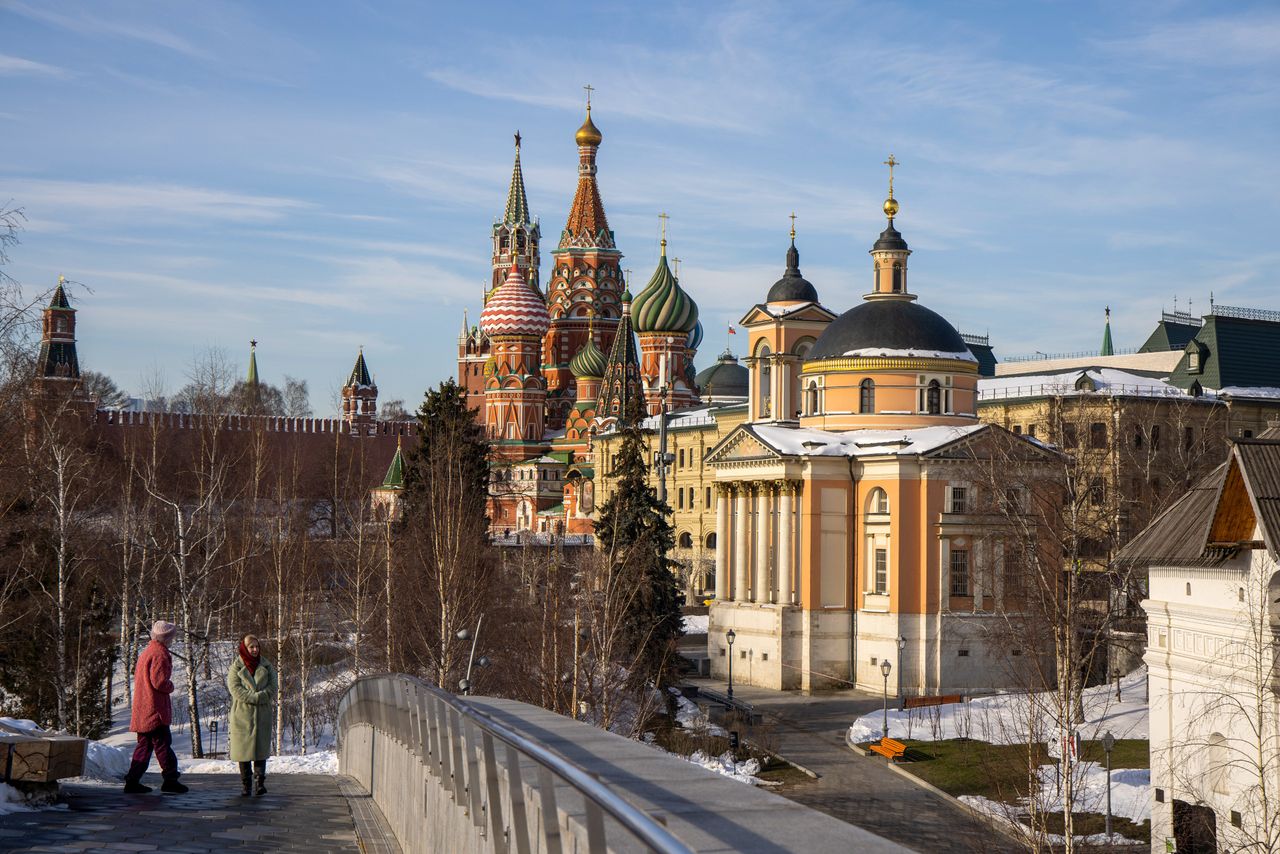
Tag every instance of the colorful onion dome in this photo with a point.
(588, 134)
(663, 306)
(515, 309)
(695, 337)
(588, 362)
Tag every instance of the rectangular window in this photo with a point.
(882, 571)
(1188, 438)
(959, 499)
(681, 461)
(1097, 435)
(708, 496)
(959, 572)
(1031, 430)
(692, 495)
(1069, 439)
(1017, 429)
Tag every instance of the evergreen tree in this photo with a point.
(442, 539)
(636, 537)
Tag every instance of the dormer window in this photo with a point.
(1195, 357)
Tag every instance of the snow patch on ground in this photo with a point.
(690, 717)
(323, 762)
(696, 624)
(724, 764)
(1003, 718)
(12, 800)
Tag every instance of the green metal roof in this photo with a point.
(1169, 335)
(360, 373)
(1235, 351)
(395, 472)
(1107, 349)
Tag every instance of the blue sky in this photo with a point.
(324, 175)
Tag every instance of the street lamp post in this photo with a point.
(730, 638)
(885, 669)
(1108, 742)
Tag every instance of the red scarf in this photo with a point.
(250, 661)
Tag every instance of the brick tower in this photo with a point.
(585, 280)
(58, 368)
(360, 399)
(515, 321)
(666, 318)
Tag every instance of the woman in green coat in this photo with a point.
(253, 685)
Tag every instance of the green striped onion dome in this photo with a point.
(664, 306)
(590, 361)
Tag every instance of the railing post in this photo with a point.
(493, 795)
(515, 795)
(550, 814)
(473, 775)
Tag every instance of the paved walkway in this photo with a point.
(300, 812)
(810, 730)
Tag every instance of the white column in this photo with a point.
(722, 544)
(786, 544)
(739, 592)
(760, 589)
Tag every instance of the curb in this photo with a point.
(996, 824)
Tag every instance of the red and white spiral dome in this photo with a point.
(515, 309)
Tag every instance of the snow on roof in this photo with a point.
(1268, 392)
(1103, 380)
(962, 356)
(682, 418)
(807, 442)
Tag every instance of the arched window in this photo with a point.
(711, 540)
(867, 396)
(897, 277)
(933, 398)
(765, 374)
(812, 399)
(686, 540)
(878, 502)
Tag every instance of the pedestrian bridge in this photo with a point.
(425, 771)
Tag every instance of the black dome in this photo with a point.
(890, 238)
(792, 287)
(893, 324)
(726, 378)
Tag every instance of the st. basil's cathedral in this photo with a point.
(550, 369)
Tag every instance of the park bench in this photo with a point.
(937, 700)
(890, 748)
(31, 757)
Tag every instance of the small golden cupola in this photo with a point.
(588, 134)
(889, 253)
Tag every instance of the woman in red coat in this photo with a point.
(152, 713)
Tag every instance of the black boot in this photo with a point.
(246, 779)
(260, 776)
(173, 787)
(133, 780)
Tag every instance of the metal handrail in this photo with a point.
(421, 726)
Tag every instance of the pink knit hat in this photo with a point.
(162, 631)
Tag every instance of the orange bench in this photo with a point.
(923, 702)
(890, 748)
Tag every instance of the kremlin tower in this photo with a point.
(360, 399)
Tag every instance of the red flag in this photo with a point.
(732, 331)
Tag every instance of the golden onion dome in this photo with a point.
(588, 134)
(891, 207)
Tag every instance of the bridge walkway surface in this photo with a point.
(860, 790)
(301, 812)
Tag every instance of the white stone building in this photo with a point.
(1213, 611)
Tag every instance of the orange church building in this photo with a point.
(848, 535)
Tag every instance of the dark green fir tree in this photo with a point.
(636, 536)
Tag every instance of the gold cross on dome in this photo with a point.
(676, 261)
(793, 225)
(892, 162)
(662, 217)
(589, 88)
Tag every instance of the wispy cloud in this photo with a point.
(121, 199)
(1242, 40)
(14, 66)
(85, 23)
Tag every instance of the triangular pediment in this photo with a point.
(994, 442)
(809, 312)
(741, 444)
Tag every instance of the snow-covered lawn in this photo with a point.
(1007, 719)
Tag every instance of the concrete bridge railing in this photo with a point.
(450, 778)
(481, 774)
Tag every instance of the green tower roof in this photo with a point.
(1107, 349)
(395, 472)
